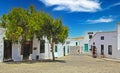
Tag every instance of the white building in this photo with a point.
(32, 50)
(106, 43)
(2, 34)
(76, 45)
(87, 37)
(80, 44)
(61, 49)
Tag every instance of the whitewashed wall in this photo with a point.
(118, 36)
(2, 34)
(16, 52)
(1, 49)
(60, 49)
(110, 38)
(35, 52)
(16, 49)
(66, 48)
(86, 41)
(80, 44)
(73, 42)
(59, 53)
(46, 55)
(118, 41)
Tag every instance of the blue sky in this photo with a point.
(79, 15)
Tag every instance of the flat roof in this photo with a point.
(77, 38)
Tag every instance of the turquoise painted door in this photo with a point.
(86, 47)
(56, 49)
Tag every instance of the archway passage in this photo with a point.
(7, 50)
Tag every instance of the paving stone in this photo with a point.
(67, 64)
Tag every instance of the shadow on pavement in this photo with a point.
(35, 61)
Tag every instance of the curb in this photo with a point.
(112, 60)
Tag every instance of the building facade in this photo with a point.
(61, 49)
(32, 50)
(106, 44)
(76, 45)
(88, 36)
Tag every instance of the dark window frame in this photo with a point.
(102, 49)
(42, 46)
(90, 36)
(102, 37)
(110, 49)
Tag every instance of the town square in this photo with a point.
(59, 36)
(68, 64)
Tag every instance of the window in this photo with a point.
(110, 49)
(102, 49)
(56, 49)
(91, 48)
(68, 50)
(90, 36)
(67, 42)
(102, 37)
(42, 46)
(93, 43)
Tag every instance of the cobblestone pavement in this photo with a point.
(67, 64)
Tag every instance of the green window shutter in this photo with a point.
(56, 49)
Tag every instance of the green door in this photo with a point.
(56, 49)
(86, 47)
(76, 43)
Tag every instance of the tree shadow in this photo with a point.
(34, 61)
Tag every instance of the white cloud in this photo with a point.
(100, 20)
(113, 5)
(116, 4)
(74, 5)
